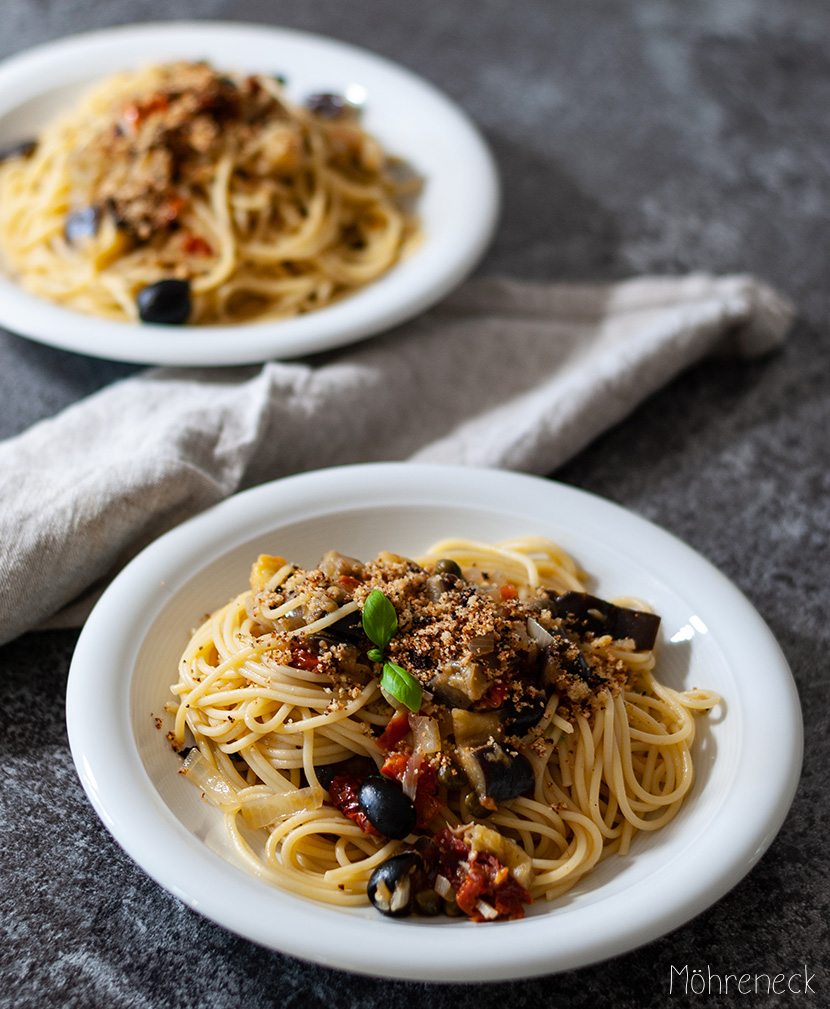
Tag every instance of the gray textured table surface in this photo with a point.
(650, 136)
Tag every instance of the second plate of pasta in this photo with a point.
(235, 193)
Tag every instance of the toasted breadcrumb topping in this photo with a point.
(465, 641)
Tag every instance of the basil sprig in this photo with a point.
(380, 622)
(401, 684)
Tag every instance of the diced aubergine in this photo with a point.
(348, 629)
(474, 728)
(459, 685)
(520, 718)
(562, 655)
(450, 697)
(327, 105)
(496, 772)
(591, 614)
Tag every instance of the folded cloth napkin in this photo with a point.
(503, 373)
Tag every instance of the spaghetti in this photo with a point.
(240, 204)
(504, 734)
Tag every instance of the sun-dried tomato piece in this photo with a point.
(476, 876)
(395, 730)
(488, 880)
(493, 698)
(197, 246)
(426, 801)
(452, 851)
(343, 792)
(172, 207)
(394, 766)
(302, 658)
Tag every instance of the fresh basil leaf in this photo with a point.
(375, 654)
(401, 685)
(380, 621)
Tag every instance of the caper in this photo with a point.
(471, 807)
(427, 902)
(451, 776)
(446, 566)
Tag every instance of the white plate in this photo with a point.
(410, 117)
(748, 757)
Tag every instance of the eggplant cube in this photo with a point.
(497, 773)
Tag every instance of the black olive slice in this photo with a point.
(166, 301)
(387, 808)
(19, 150)
(390, 886)
(82, 224)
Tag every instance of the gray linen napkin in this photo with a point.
(503, 373)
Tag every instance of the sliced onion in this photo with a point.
(482, 644)
(443, 888)
(538, 633)
(262, 810)
(487, 911)
(522, 635)
(211, 782)
(426, 734)
(409, 781)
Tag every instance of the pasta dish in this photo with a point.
(177, 194)
(464, 733)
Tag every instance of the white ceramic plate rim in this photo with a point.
(459, 206)
(125, 798)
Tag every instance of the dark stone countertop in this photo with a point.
(646, 137)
